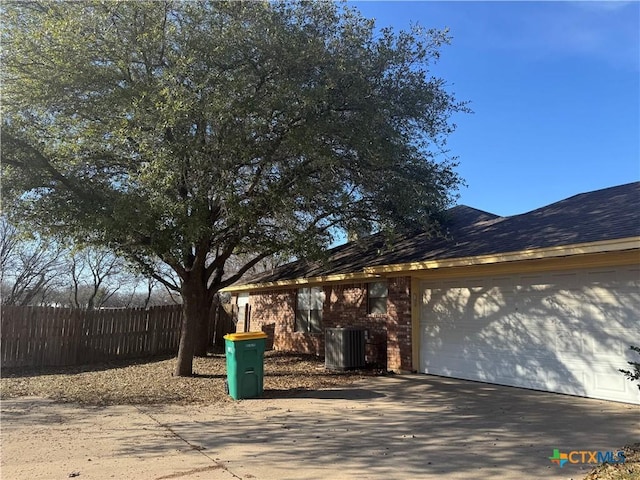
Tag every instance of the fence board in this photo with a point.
(50, 336)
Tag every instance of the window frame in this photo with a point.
(308, 319)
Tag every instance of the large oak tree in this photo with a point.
(186, 132)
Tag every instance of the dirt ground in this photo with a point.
(630, 470)
(127, 420)
(145, 382)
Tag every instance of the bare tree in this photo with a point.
(95, 275)
(141, 287)
(29, 266)
(143, 292)
(38, 271)
(267, 264)
(162, 283)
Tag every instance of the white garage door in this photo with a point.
(566, 332)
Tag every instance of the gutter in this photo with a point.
(372, 273)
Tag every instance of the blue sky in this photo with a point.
(555, 90)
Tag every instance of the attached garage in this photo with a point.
(562, 331)
(547, 300)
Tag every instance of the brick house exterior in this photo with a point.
(459, 304)
(388, 336)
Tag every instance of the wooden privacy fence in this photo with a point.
(51, 336)
(225, 320)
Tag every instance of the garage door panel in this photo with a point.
(568, 341)
(601, 346)
(533, 374)
(605, 381)
(566, 332)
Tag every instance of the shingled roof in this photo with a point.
(608, 214)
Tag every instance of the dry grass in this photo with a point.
(629, 470)
(151, 381)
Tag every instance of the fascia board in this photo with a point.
(371, 273)
(631, 243)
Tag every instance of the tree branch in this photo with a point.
(39, 161)
(169, 285)
(234, 278)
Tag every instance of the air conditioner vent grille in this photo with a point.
(344, 348)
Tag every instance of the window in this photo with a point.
(377, 297)
(309, 310)
(243, 311)
(242, 300)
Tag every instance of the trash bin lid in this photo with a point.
(235, 337)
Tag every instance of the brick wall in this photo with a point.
(399, 325)
(388, 337)
(346, 306)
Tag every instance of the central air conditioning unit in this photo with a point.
(344, 348)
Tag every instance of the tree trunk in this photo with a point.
(202, 339)
(195, 305)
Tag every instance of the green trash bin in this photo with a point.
(245, 364)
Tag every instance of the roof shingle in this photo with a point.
(608, 214)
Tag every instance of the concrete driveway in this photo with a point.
(395, 427)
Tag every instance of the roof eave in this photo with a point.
(335, 278)
(630, 243)
(371, 273)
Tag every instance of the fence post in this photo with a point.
(75, 342)
(153, 326)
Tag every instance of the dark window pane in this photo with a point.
(378, 305)
(304, 299)
(317, 298)
(315, 321)
(378, 289)
(377, 297)
(302, 321)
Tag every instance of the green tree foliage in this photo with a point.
(186, 132)
(633, 375)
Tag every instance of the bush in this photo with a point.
(635, 374)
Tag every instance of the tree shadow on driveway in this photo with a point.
(335, 394)
(408, 426)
